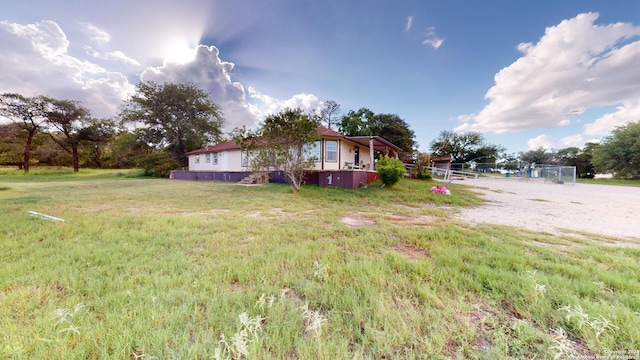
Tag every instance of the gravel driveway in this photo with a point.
(601, 209)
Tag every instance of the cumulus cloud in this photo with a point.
(96, 34)
(575, 66)
(548, 142)
(209, 72)
(625, 113)
(432, 39)
(40, 64)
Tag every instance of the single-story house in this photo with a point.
(342, 161)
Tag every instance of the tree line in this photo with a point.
(155, 129)
(617, 154)
(159, 124)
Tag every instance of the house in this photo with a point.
(342, 161)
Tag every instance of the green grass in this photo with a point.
(153, 268)
(609, 182)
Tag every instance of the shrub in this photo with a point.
(390, 170)
(421, 168)
(157, 164)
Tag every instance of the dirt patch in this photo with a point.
(407, 219)
(271, 213)
(357, 220)
(411, 252)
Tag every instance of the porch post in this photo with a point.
(371, 153)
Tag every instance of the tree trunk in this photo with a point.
(183, 160)
(76, 162)
(27, 152)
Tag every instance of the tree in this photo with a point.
(29, 113)
(180, 117)
(68, 121)
(356, 123)
(462, 147)
(280, 144)
(126, 149)
(96, 136)
(580, 158)
(537, 156)
(329, 113)
(12, 139)
(392, 128)
(619, 153)
(388, 126)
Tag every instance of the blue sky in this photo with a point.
(524, 74)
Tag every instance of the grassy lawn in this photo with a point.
(163, 269)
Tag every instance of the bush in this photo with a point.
(157, 164)
(421, 167)
(390, 170)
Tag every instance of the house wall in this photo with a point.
(231, 160)
(202, 164)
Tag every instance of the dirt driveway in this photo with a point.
(600, 209)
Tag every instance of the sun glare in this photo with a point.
(179, 53)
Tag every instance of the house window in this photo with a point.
(215, 158)
(312, 150)
(244, 158)
(197, 159)
(207, 158)
(332, 150)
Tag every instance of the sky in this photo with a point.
(524, 74)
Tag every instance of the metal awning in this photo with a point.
(379, 144)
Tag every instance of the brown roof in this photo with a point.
(227, 145)
(324, 132)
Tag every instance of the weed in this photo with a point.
(314, 321)
(563, 347)
(320, 271)
(237, 346)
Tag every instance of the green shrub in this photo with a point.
(421, 168)
(390, 170)
(157, 164)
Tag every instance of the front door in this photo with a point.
(356, 156)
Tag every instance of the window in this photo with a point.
(207, 158)
(197, 159)
(332, 150)
(215, 158)
(312, 150)
(245, 158)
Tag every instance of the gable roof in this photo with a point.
(324, 132)
(223, 146)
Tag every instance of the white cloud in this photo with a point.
(307, 102)
(624, 114)
(409, 24)
(40, 64)
(117, 56)
(432, 39)
(96, 34)
(214, 75)
(575, 66)
(548, 142)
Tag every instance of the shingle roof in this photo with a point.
(227, 145)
